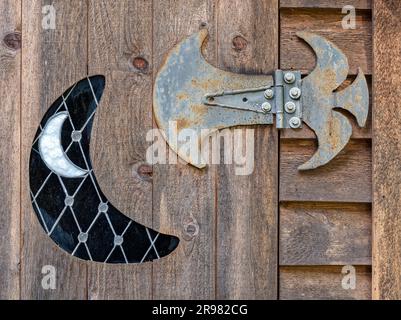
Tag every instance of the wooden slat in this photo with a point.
(183, 196)
(120, 33)
(347, 178)
(356, 44)
(325, 234)
(357, 132)
(358, 4)
(322, 283)
(10, 93)
(387, 151)
(52, 61)
(247, 205)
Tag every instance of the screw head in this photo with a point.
(269, 93)
(295, 93)
(266, 107)
(290, 107)
(289, 77)
(295, 122)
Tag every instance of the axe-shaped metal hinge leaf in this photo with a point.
(195, 95)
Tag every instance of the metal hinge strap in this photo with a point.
(282, 99)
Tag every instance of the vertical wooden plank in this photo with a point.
(387, 151)
(247, 205)
(120, 38)
(10, 78)
(52, 61)
(183, 196)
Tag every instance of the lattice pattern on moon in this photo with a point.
(74, 212)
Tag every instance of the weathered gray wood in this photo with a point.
(183, 196)
(347, 178)
(358, 4)
(322, 283)
(120, 34)
(325, 234)
(356, 43)
(10, 130)
(247, 205)
(52, 61)
(387, 151)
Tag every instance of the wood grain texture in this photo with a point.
(356, 44)
(387, 151)
(183, 196)
(10, 130)
(52, 61)
(357, 132)
(322, 283)
(358, 4)
(119, 32)
(247, 205)
(325, 234)
(347, 178)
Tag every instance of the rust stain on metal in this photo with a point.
(186, 79)
(333, 129)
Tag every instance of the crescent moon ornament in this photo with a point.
(66, 197)
(51, 150)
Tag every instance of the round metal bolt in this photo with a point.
(76, 136)
(269, 93)
(289, 77)
(266, 107)
(295, 93)
(103, 207)
(118, 240)
(69, 201)
(290, 107)
(82, 237)
(295, 122)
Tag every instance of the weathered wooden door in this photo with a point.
(274, 234)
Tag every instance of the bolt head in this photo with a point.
(289, 77)
(103, 207)
(269, 93)
(295, 93)
(118, 240)
(266, 107)
(290, 107)
(76, 136)
(295, 122)
(82, 237)
(69, 201)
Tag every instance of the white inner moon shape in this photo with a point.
(52, 152)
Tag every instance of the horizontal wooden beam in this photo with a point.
(323, 283)
(334, 4)
(325, 234)
(347, 178)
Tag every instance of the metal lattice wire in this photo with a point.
(103, 204)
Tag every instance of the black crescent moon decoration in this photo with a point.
(74, 212)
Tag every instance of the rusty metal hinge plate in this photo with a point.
(199, 96)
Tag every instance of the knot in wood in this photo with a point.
(13, 40)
